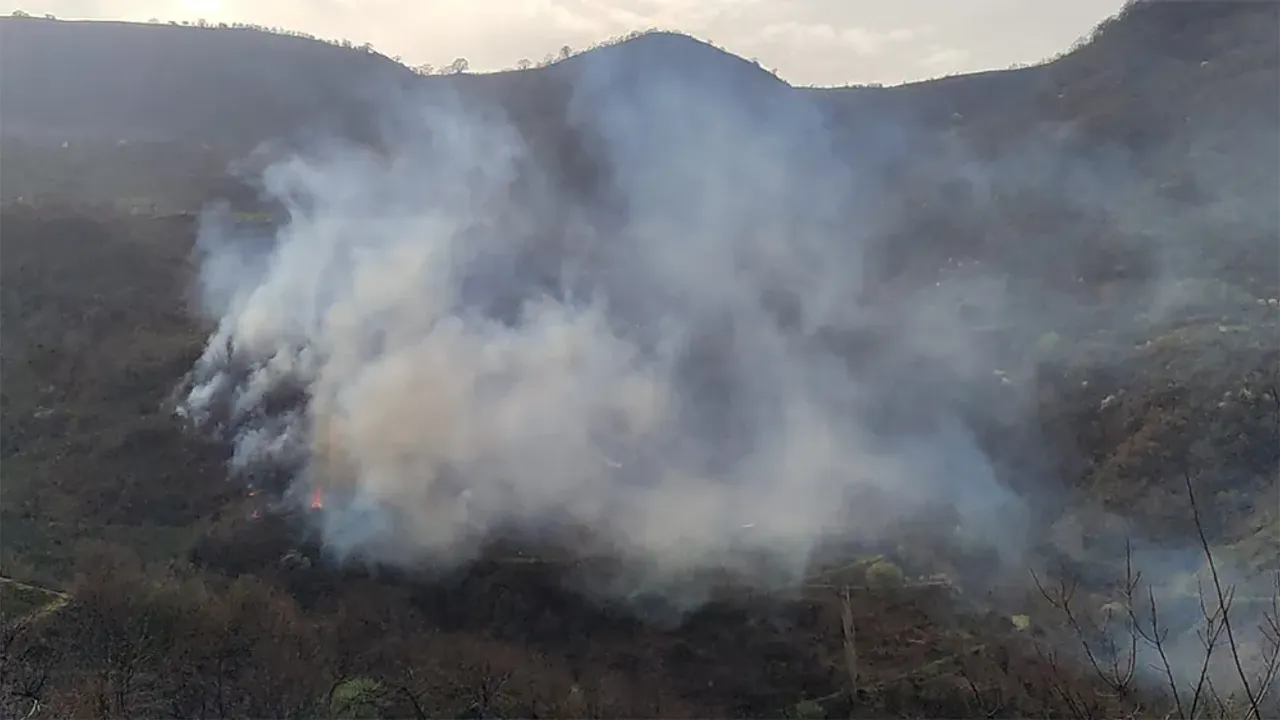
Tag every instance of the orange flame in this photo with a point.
(317, 499)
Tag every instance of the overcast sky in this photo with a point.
(809, 42)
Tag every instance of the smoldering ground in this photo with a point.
(685, 365)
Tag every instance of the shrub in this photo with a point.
(362, 698)
(884, 574)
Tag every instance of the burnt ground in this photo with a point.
(105, 496)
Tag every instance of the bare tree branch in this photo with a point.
(1222, 598)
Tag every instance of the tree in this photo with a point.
(115, 632)
(458, 66)
(524, 64)
(276, 682)
(26, 664)
(1235, 673)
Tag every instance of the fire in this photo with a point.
(317, 499)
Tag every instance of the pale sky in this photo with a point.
(809, 42)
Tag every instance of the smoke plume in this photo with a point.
(670, 338)
(683, 352)
(452, 346)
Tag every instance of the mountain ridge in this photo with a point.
(158, 82)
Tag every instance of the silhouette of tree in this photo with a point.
(458, 66)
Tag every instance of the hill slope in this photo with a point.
(126, 81)
(75, 80)
(1052, 177)
(114, 80)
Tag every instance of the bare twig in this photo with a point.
(1270, 629)
(1124, 676)
(1222, 595)
(1078, 707)
(1155, 637)
(1212, 637)
(1062, 599)
(989, 709)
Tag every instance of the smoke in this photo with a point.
(682, 353)
(453, 346)
(685, 353)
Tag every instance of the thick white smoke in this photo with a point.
(453, 346)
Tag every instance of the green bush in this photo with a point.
(359, 698)
(884, 574)
(807, 710)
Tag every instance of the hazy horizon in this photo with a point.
(817, 42)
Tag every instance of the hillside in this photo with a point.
(1063, 329)
(97, 334)
(194, 599)
(232, 87)
(74, 81)
(157, 82)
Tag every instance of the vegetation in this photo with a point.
(136, 582)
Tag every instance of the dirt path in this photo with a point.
(60, 600)
(33, 588)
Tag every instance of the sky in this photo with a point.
(808, 42)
